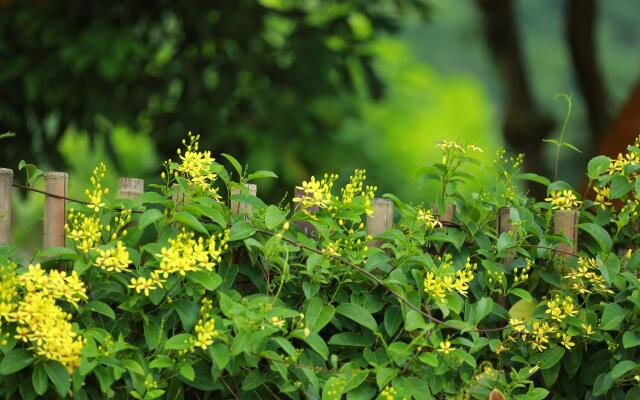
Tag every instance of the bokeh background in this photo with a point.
(303, 87)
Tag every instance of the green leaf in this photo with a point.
(609, 267)
(385, 375)
(161, 362)
(133, 366)
(599, 234)
(152, 333)
(358, 314)
(187, 371)
(523, 294)
(261, 175)
(522, 309)
(333, 389)
(241, 230)
(219, 353)
(180, 341)
(208, 279)
(630, 339)
(505, 241)
(528, 176)
(188, 311)
(189, 220)
(619, 186)
(622, 368)
(236, 165)
(572, 147)
(273, 217)
(597, 166)
(149, 217)
(39, 380)
(100, 308)
(15, 360)
(549, 357)
(59, 376)
(483, 308)
(253, 379)
(612, 317)
(414, 320)
(317, 344)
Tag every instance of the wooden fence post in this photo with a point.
(503, 224)
(565, 222)
(449, 212)
(239, 207)
(305, 226)
(380, 221)
(6, 179)
(130, 188)
(55, 216)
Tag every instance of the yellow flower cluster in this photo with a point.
(316, 193)
(29, 301)
(559, 308)
(205, 327)
(427, 217)
(564, 200)
(602, 197)
(84, 230)
(586, 278)
(617, 165)
(114, 259)
(388, 393)
(453, 145)
(540, 334)
(196, 167)
(357, 187)
(96, 202)
(439, 286)
(184, 254)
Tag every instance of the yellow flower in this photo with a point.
(116, 259)
(29, 301)
(316, 193)
(95, 195)
(445, 347)
(144, 285)
(564, 200)
(185, 254)
(435, 287)
(566, 341)
(602, 197)
(196, 167)
(427, 217)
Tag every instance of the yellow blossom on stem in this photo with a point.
(116, 259)
(445, 347)
(564, 200)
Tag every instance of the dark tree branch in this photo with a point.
(581, 24)
(524, 125)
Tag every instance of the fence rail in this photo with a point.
(56, 199)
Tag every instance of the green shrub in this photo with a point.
(171, 295)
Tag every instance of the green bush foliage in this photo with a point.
(197, 289)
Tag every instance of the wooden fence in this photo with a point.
(381, 220)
